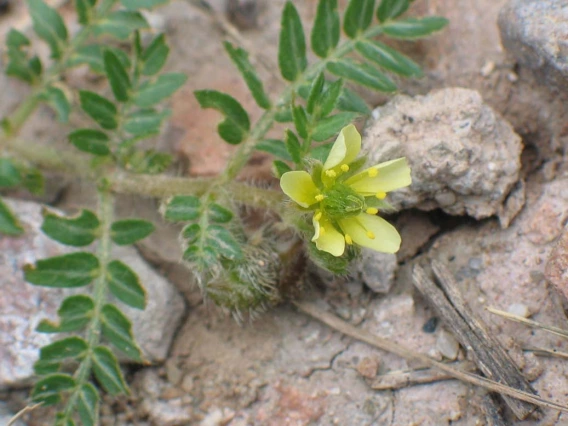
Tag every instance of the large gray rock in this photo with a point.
(464, 157)
(22, 305)
(536, 33)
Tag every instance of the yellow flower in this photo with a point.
(345, 200)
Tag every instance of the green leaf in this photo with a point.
(16, 39)
(48, 25)
(219, 214)
(148, 162)
(117, 76)
(129, 231)
(240, 59)
(182, 208)
(316, 91)
(142, 4)
(191, 233)
(74, 314)
(56, 99)
(321, 152)
(362, 74)
(280, 168)
(275, 147)
(388, 58)
(88, 405)
(70, 347)
(331, 126)
(293, 147)
(70, 270)
(118, 330)
(8, 223)
(90, 140)
(45, 368)
(223, 242)
(120, 24)
(300, 121)
(100, 109)
(145, 121)
(412, 28)
(9, 174)
(76, 231)
(330, 97)
(283, 115)
(358, 17)
(107, 371)
(92, 55)
(236, 124)
(155, 56)
(203, 258)
(326, 32)
(292, 44)
(391, 9)
(48, 389)
(125, 285)
(351, 101)
(33, 181)
(152, 92)
(336, 265)
(84, 10)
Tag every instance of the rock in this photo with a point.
(23, 305)
(377, 270)
(368, 367)
(536, 33)
(415, 229)
(519, 310)
(464, 157)
(447, 345)
(501, 267)
(556, 270)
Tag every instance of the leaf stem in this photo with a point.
(263, 125)
(93, 337)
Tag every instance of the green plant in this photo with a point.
(235, 269)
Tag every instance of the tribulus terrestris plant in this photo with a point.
(331, 199)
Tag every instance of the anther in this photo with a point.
(381, 195)
(318, 216)
(348, 239)
(330, 173)
(344, 168)
(373, 172)
(370, 235)
(372, 210)
(319, 197)
(322, 231)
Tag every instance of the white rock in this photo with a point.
(447, 344)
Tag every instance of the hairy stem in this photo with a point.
(242, 155)
(93, 337)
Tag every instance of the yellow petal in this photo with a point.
(361, 228)
(300, 187)
(330, 240)
(345, 149)
(391, 175)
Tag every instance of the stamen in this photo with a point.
(373, 172)
(344, 168)
(330, 173)
(381, 195)
(348, 239)
(322, 230)
(372, 210)
(370, 235)
(319, 197)
(318, 216)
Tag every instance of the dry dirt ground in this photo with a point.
(286, 368)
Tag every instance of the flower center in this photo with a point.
(341, 202)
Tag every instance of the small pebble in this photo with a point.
(487, 69)
(448, 346)
(519, 309)
(368, 367)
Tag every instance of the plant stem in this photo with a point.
(242, 155)
(93, 337)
